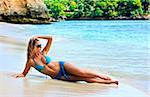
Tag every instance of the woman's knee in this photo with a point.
(83, 73)
(86, 73)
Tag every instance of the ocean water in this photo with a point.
(118, 48)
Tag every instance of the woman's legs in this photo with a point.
(101, 81)
(73, 70)
(89, 80)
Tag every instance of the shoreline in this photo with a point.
(35, 86)
(50, 21)
(15, 27)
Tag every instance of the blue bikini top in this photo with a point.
(48, 59)
(39, 67)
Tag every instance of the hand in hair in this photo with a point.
(35, 37)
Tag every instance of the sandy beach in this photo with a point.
(34, 85)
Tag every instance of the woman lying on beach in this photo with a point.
(60, 70)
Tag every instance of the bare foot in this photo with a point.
(115, 82)
(112, 82)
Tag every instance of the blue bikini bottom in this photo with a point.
(62, 72)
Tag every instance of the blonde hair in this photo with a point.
(30, 48)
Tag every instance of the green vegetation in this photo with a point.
(107, 9)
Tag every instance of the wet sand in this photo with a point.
(38, 86)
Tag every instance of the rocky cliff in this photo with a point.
(24, 11)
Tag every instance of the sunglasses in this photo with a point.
(39, 46)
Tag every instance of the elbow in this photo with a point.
(50, 38)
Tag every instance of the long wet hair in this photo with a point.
(30, 48)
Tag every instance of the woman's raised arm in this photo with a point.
(48, 45)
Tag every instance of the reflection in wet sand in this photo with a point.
(61, 88)
(34, 86)
(37, 86)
